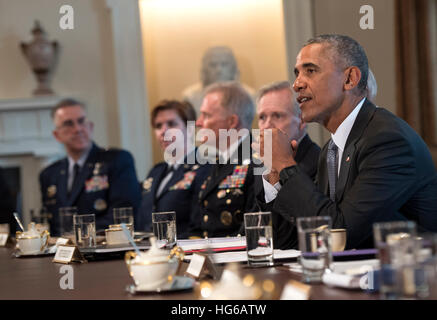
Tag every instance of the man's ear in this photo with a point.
(56, 135)
(233, 121)
(353, 77)
(91, 124)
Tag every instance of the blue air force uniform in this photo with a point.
(178, 194)
(107, 180)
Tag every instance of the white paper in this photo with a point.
(196, 264)
(341, 280)
(64, 254)
(241, 256)
(213, 243)
(358, 267)
(3, 239)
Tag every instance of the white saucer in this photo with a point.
(179, 283)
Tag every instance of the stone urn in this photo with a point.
(42, 56)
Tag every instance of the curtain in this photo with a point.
(414, 65)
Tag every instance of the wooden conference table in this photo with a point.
(39, 278)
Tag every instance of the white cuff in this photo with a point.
(270, 191)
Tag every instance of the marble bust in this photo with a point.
(218, 64)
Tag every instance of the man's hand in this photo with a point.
(280, 154)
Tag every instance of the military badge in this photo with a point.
(96, 183)
(97, 167)
(100, 204)
(237, 192)
(226, 218)
(195, 167)
(51, 191)
(185, 183)
(147, 184)
(236, 179)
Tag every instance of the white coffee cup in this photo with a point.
(30, 243)
(338, 239)
(154, 268)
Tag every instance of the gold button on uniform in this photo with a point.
(205, 234)
(228, 201)
(226, 218)
(205, 203)
(205, 218)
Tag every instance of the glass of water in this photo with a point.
(315, 246)
(259, 238)
(164, 228)
(85, 230)
(391, 239)
(66, 222)
(126, 216)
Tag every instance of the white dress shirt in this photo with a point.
(339, 137)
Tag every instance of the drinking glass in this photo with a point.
(315, 246)
(124, 215)
(66, 221)
(396, 248)
(85, 230)
(164, 228)
(259, 238)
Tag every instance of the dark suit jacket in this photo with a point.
(121, 189)
(307, 156)
(386, 174)
(179, 194)
(226, 195)
(6, 204)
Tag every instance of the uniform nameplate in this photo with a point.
(3, 239)
(67, 254)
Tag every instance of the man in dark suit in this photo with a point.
(227, 113)
(374, 168)
(173, 185)
(90, 178)
(277, 108)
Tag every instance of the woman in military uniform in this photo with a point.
(173, 185)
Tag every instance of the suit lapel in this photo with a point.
(155, 184)
(85, 172)
(361, 122)
(177, 175)
(227, 169)
(224, 171)
(302, 148)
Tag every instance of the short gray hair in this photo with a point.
(372, 87)
(349, 52)
(67, 102)
(235, 99)
(278, 86)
